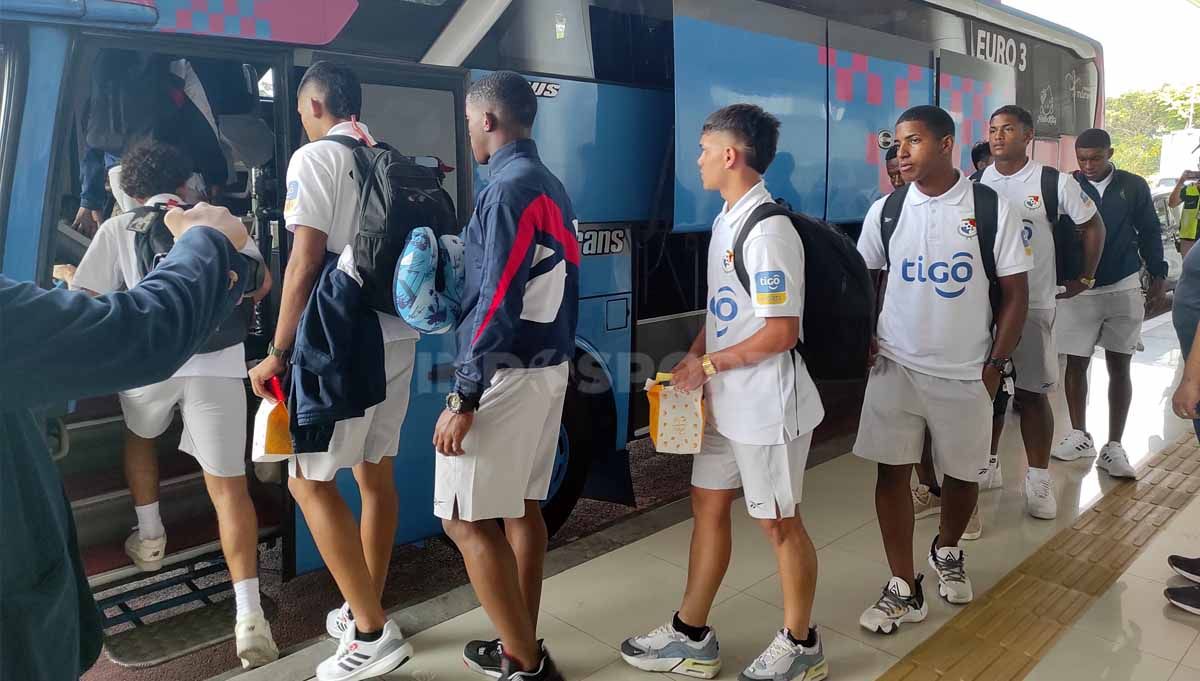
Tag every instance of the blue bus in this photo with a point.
(623, 87)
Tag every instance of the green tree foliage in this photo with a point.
(1138, 120)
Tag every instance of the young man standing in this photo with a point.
(1111, 313)
(1018, 179)
(981, 159)
(322, 212)
(496, 440)
(938, 366)
(208, 390)
(763, 408)
(892, 164)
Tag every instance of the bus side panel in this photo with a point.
(48, 52)
(719, 60)
(873, 78)
(971, 89)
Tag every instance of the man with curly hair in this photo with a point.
(209, 392)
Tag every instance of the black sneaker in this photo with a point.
(546, 670)
(484, 657)
(1186, 567)
(1185, 598)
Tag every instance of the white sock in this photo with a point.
(245, 593)
(1037, 474)
(150, 524)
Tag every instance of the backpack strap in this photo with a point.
(348, 141)
(889, 218)
(987, 219)
(1050, 193)
(761, 213)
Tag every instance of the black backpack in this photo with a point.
(396, 195)
(152, 242)
(839, 301)
(987, 218)
(1068, 251)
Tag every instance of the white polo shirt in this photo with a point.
(322, 193)
(111, 262)
(774, 401)
(936, 316)
(1023, 189)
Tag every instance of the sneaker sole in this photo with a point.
(1185, 608)
(818, 672)
(927, 513)
(1124, 476)
(478, 669)
(1089, 453)
(1042, 516)
(1185, 574)
(262, 651)
(971, 536)
(891, 627)
(701, 669)
(144, 565)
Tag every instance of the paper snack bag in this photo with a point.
(676, 417)
(272, 438)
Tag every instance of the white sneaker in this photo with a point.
(974, 526)
(146, 554)
(990, 477)
(338, 621)
(1039, 495)
(255, 645)
(667, 650)
(787, 661)
(950, 564)
(1114, 461)
(355, 660)
(1076, 445)
(925, 503)
(897, 605)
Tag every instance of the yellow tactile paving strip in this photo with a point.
(1002, 635)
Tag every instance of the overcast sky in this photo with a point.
(1146, 43)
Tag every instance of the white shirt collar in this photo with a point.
(350, 129)
(991, 173)
(955, 195)
(732, 215)
(163, 199)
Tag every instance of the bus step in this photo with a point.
(159, 642)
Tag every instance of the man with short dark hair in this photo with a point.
(892, 164)
(209, 392)
(981, 158)
(1111, 313)
(497, 437)
(938, 364)
(321, 210)
(1018, 179)
(763, 407)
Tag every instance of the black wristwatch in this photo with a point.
(1000, 364)
(458, 403)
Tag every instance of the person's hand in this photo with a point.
(219, 218)
(65, 273)
(991, 380)
(872, 352)
(450, 432)
(689, 374)
(1073, 288)
(1187, 397)
(1188, 176)
(266, 370)
(1156, 295)
(87, 222)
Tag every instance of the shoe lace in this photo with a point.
(1041, 489)
(774, 652)
(952, 568)
(920, 498)
(492, 648)
(892, 603)
(667, 630)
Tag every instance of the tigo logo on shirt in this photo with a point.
(949, 279)
(770, 288)
(724, 307)
(1033, 202)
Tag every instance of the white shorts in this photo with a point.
(214, 419)
(771, 476)
(510, 448)
(1112, 321)
(373, 435)
(1036, 357)
(900, 403)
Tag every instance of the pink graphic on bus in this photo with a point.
(306, 22)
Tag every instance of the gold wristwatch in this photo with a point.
(1089, 282)
(706, 363)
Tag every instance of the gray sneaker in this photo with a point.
(667, 650)
(787, 661)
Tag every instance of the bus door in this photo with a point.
(418, 110)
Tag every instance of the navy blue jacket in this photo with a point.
(521, 302)
(337, 361)
(1132, 228)
(58, 345)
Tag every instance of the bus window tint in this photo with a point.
(631, 47)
